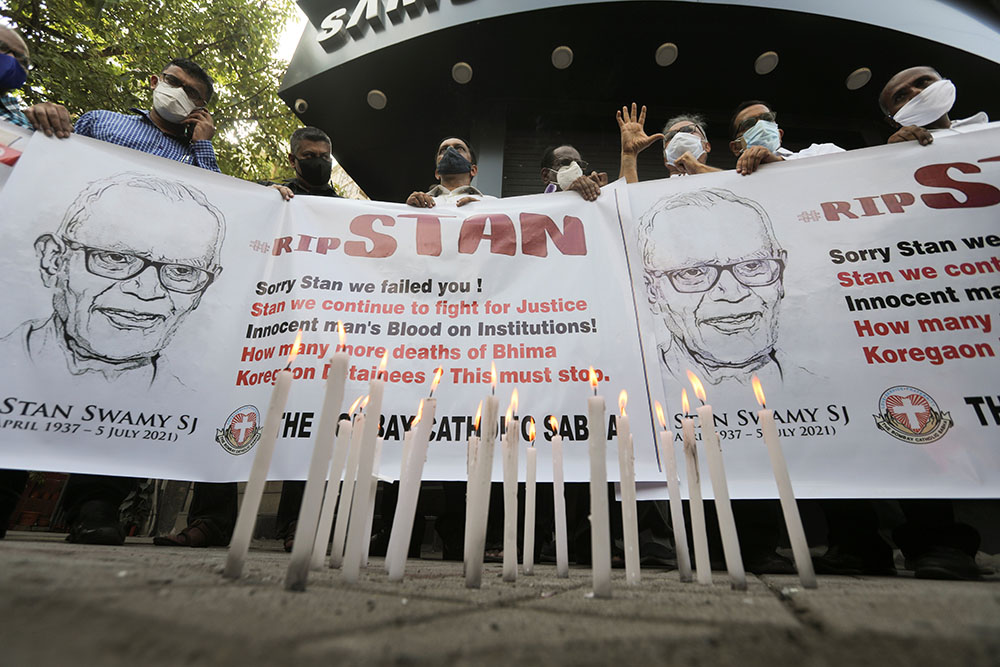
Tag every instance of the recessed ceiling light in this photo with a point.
(666, 54)
(461, 72)
(376, 99)
(766, 62)
(859, 78)
(562, 57)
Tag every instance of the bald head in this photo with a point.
(904, 86)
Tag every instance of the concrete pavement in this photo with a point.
(143, 605)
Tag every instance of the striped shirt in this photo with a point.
(139, 132)
(10, 111)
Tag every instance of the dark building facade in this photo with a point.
(388, 79)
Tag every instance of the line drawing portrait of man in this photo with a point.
(714, 273)
(130, 261)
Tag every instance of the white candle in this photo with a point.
(470, 476)
(669, 460)
(370, 514)
(511, 443)
(703, 565)
(409, 491)
(480, 503)
(600, 531)
(347, 494)
(344, 431)
(243, 531)
(793, 522)
(319, 464)
(559, 502)
(626, 474)
(717, 472)
(531, 457)
(356, 537)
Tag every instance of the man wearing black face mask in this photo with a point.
(455, 167)
(312, 160)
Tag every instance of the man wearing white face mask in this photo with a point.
(685, 144)
(917, 102)
(564, 169)
(177, 127)
(757, 138)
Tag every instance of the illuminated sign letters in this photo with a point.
(369, 12)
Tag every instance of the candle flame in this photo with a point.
(593, 380)
(381, 366)
(354, 405)
(420, 412)
(622, 402)
(479, 414)
(437, 378)
(493, 378)
(684, 402)
(342, 334)
(295, 348)
(513, 402)
(758, 391)
(554, 423)
(699, 389)
(531, 430)
(364, 403)
(659, 416)
(510, 414)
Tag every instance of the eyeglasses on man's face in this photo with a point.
(752, 120)
(690, 129)
(559, 163)
(118, 265)
(193, 93)
(703, 277)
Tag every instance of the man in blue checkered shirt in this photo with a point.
(177, 126)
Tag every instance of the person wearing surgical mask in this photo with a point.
(454, 168)
(757, 138)
(177, 127)
(685, 144)
(312, 160)
(563, 169)
(917, 103)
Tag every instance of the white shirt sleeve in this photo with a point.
(813, 151)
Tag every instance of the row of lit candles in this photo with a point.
(352, 448)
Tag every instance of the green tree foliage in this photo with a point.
(99, 54)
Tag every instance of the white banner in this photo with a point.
(148, 304)
(166, 372)
(863, 289)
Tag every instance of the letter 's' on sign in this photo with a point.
(369, 12)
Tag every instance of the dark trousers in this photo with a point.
(215, 504)
(104, 488)
(929, 524)
(12, 483)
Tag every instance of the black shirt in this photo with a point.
(297, 188)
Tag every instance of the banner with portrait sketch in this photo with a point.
(862, 288)
(148, 305)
